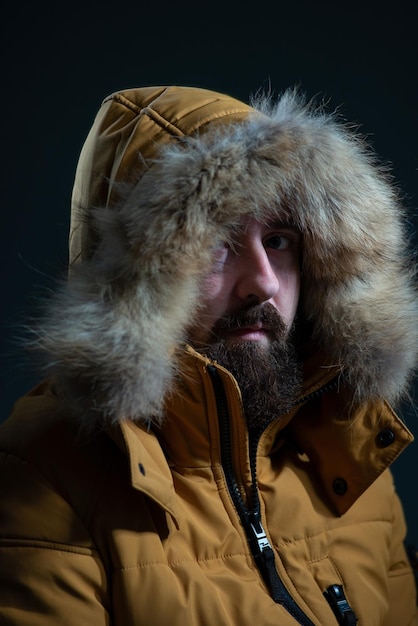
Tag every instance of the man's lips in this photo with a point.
(253, 332)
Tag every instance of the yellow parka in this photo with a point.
(131, 493)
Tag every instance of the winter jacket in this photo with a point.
(131, 491)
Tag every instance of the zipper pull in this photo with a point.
(264, 557)
(339, 604)
(259, 533)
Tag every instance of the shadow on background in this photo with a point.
(60, 61)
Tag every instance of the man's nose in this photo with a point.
(257, 280)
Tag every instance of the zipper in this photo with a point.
(329, 386)
(250, 515)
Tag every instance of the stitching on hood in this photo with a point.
(159, 119)
(123, 100)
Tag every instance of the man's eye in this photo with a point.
(278, 242)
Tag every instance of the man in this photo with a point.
(211, 446)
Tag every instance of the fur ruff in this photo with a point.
(113, 333)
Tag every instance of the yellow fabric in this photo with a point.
(132, 527)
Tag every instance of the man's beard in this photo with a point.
(268, 374)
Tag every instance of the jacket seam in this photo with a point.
(161, 121)
(52, 546)
(173, 564)
(400, 571)
(214, 116)
(330, 530)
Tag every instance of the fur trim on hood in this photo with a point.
(112, 334)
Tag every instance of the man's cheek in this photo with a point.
(214, 290)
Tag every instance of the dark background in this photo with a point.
(59, 60)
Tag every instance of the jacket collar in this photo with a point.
(348, 448)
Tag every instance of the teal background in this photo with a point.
(59, 60)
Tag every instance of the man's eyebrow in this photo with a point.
(283, 224)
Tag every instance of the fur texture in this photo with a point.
(112, 334)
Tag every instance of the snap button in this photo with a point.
(141, 469)
(385, 438)
(339, 486)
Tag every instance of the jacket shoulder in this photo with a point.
(45, 546)
(48, 464)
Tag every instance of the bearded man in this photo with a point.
(211, 443)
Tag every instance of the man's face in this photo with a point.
(262, 266)
(250, 297)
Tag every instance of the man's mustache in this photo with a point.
(264, 314)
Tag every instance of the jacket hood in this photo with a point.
(165, 173)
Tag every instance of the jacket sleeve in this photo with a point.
(50, 571)
(402, 588)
